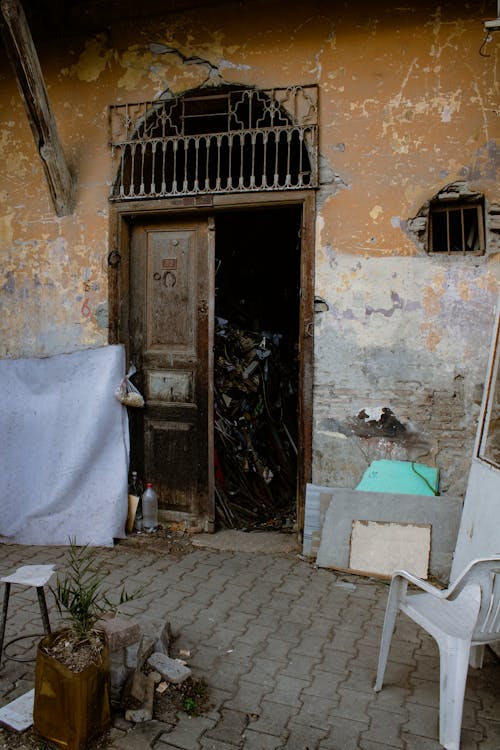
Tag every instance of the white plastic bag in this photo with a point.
(127, 393)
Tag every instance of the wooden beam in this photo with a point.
(24, 59)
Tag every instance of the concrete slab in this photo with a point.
(18, 715)
(442, 513)
(232, 540)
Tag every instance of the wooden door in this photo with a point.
(171, 345)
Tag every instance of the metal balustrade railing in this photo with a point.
(216, 142)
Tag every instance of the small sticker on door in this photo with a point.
(169, 264)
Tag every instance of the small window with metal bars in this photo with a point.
(457, 227)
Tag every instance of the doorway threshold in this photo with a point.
(233, 540)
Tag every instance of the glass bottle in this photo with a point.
(136, 492)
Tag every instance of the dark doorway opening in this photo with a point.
(257, 295)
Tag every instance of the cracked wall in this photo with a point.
(407, 106)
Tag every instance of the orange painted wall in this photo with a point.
(407, 105)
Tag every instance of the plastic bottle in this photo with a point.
(136, 491)
(149, 508)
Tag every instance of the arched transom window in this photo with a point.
(217, 140)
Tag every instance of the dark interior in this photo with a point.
(257, 283)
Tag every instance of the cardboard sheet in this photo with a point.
(381, 547)
(65, 449)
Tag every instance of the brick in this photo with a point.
(134, 690)
(118, 675)
(170, 669)
(120, 632)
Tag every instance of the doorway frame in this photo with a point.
(121, 214)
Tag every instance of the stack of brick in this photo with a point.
(124, 642)
(133, 652)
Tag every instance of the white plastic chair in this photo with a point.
(462, 620)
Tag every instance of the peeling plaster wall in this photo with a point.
(407, 105)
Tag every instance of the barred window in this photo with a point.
(456, 227)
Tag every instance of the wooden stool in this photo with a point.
(26, 575)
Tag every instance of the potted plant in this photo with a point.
(72, 682)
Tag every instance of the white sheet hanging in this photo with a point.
(64, 449)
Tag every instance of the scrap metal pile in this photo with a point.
(255, 418)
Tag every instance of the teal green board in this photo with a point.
(403, 477)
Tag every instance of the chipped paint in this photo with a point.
(6, 230)
(92, 61)
(407, 106)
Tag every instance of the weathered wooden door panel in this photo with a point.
(171, 266)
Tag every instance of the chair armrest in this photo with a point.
(421, 584)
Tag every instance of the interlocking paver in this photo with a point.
(300, 665)
(305, 738)
(276, 648)
(264, 671)
(384, 728)
(188, 732)
(392, 698)
(139, 736)
(322, 627)
(324, 684)
(257, 634)
(248, 697)
(334, 659)
(230, 728)
(310, 645)
(345, 640)
(287, 690)
(491, 734)
(344, 734)
(317, 712)
(258, 741)
(422, 720)
(272, 718)
(289, 654)
(352, 704)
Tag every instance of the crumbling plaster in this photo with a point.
(407, 105)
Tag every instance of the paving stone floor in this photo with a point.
(289, 653)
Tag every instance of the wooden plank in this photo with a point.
(24, 60)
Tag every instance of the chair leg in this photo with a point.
(43, 609)
(476, 657)
(387, 631)
(454, 663)
(5, 607)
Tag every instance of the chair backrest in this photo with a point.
(485, 572)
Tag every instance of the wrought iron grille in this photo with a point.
(221, 140)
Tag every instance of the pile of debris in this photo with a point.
(147, 683)
(255, 402)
